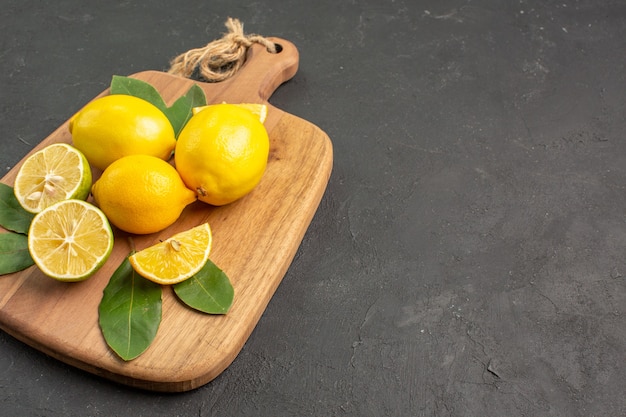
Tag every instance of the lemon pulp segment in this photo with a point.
(175, 259)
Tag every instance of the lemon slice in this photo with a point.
(70, 240)
(175, 259)
(259, 110)
(55, 173)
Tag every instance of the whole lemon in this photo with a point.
(141, 194)
(118, 125)
(222, 153)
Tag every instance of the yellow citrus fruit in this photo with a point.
(141, 194)
(259, 110)
(222, 153)
(175, 259)
(55, 173)
(70, 240)
(118, 125)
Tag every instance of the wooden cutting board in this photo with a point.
(254, 242)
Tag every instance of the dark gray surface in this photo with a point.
(468, 257)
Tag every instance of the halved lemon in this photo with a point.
(70, 240)
(259, 110)
(175, 259)
(55, 173)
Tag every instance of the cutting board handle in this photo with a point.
(262, 72)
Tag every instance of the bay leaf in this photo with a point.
(130, 312)
(12, 215)
(209, 291)
(14, 254)
(181, 111)
(137, 88)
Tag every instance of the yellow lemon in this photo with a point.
(259, 110)
(222, 153)
(141, 194)
(118, 125)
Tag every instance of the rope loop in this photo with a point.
(220, 59)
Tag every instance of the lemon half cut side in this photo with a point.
(55, 173)
(70, 240)
(175, 259)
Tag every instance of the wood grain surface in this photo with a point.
(254, 242)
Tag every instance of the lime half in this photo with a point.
(55, 173)
(70, 240)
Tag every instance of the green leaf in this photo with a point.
(129, 312)
(12, 215)
(209, 290)
(138, 88)
(181, 111)
(14, 255)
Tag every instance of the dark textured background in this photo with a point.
(469, 255)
